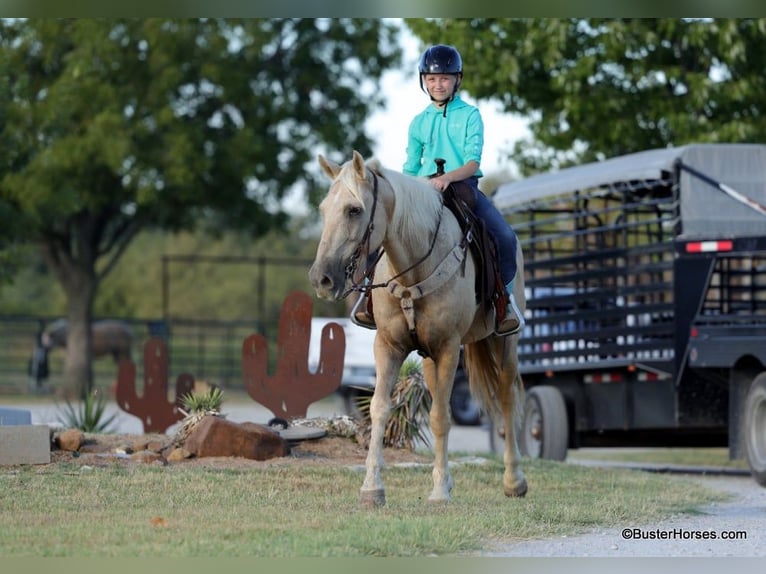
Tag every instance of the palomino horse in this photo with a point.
(110, 337)
(424, 299)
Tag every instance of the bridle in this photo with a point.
(364, 246)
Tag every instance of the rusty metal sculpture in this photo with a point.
(152, 407)
(290, 391)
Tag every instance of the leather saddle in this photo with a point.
(460, 199)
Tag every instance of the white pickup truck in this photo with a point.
(359, 371)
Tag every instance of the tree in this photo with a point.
(597, 88)
(111, 126)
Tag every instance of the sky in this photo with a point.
(388, 127)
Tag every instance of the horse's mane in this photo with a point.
(417, 206)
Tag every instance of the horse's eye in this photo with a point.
(354, 211)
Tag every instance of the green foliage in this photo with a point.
(89, 415)
(595, 88)
(203, 402)
(111, 126)
(410, 405)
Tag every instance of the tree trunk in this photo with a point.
(80, 283)
(78, 364)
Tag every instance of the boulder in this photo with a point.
(215, 436)
(71, 440)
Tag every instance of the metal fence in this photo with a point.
(208, 350)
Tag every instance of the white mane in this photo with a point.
(417, 206)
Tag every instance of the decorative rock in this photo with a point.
(147, 457)
(148, 443)
(178, 454)
(215, 436)
(71, 440)
(24, 444)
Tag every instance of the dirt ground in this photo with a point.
(108, 449)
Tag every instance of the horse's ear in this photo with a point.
(358, 162)
(332, 169)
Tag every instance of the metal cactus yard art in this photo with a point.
(152, 407)
(292, 388)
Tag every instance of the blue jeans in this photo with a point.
(500, 229)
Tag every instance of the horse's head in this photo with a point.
(54, 335)
(353, 225)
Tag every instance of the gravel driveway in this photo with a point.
(743, 516)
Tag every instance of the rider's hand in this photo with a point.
(440, 183)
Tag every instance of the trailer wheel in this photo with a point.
(465, 410)
(755, 429)
(544, 432)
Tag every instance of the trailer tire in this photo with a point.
(465, 410)
(755, 429)
(544, 428)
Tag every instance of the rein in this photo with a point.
(366, 286)
(406, 294)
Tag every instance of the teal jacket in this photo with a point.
(457, 138)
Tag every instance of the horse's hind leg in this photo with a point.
(514, 483)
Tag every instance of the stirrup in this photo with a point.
(512, 310)
(360, 316)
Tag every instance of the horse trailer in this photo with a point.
(646, 307)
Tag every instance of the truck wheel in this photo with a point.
(544, 429)
(755, 429)
(465, 410)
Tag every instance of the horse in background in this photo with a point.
(109, 336)
(423, 292)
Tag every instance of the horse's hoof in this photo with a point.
(518, 492)
(440, 501)
(372, 498)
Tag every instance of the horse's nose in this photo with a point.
(321, 282)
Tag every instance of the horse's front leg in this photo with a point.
(439, 380)
(387, 371)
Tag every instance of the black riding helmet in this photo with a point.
(441, 59)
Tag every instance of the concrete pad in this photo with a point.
(25, 444)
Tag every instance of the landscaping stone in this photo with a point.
(215, 436)
(70, 439)
(25, 444)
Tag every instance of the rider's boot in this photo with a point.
(360, 314)
(513, 322)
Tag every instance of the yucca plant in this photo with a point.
(89, 415)
(411, 403)
(194, 402)
(196, 406)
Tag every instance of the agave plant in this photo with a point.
(411, 403)
(89, 415)
(196, 406)
(211, 400)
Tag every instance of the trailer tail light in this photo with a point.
(617, 377)
(603, 378)
(709, 246)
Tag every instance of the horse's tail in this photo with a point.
(484, 365)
